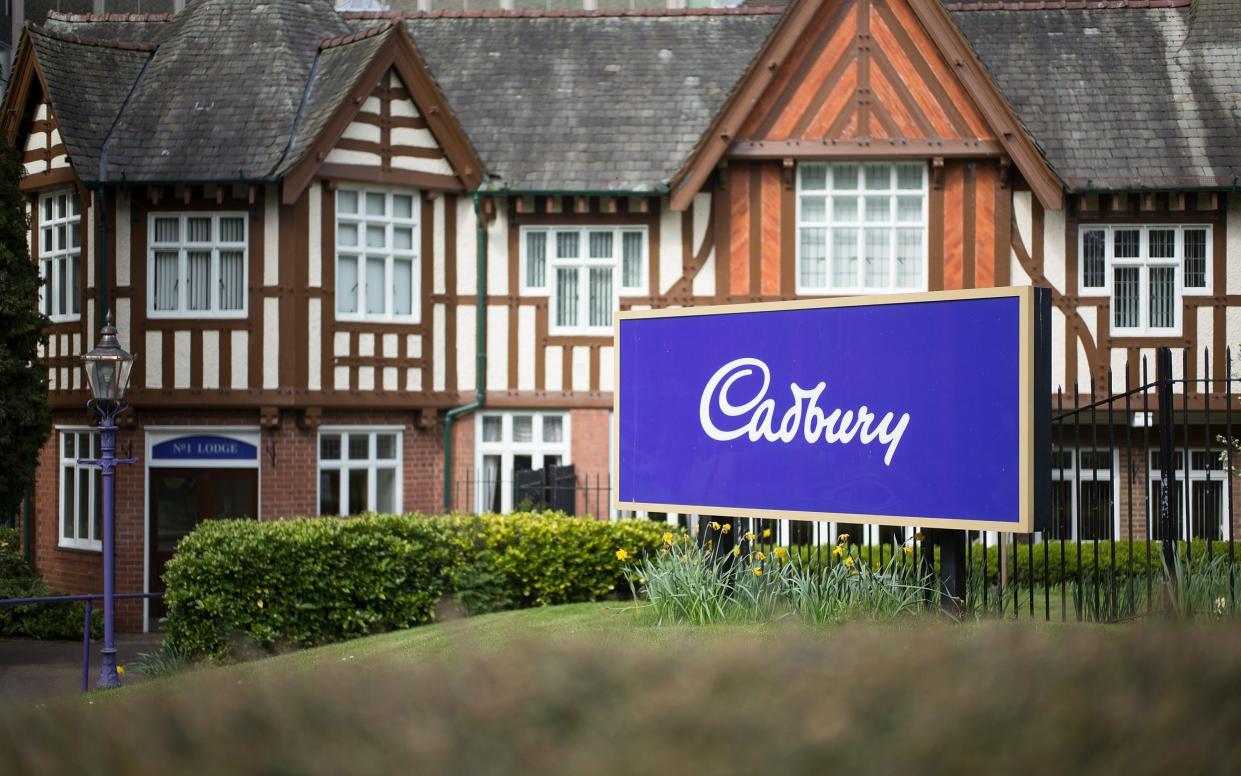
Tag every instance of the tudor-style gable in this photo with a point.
(865, 79)
(378, 116)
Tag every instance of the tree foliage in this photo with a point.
(25, 419)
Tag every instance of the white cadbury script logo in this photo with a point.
(836, 427)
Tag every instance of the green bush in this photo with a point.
(39, 621)
(298, 583)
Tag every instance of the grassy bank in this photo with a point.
(593, 689)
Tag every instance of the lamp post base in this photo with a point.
(108, 677)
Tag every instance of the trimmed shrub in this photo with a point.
(299, 583)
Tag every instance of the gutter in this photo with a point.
(480, 349)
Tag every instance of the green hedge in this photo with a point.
(40, 621)
(1145, 558)
(298, 583)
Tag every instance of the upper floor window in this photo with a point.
(377, 268)
(861, 228)
(198, 265)
(1146, 270)
(60, 254)
(585, 271)
(80, 491)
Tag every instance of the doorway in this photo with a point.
(183, 498)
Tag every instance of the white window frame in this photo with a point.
(65, 464)
(1196, 474)
(893, 225)
(59, 261)
(552, 262)
(1144, 263)
(183, 248)
(360, 252)
(372, 464)
(537, 449)
(1075, 478)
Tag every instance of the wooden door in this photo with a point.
(183, 498)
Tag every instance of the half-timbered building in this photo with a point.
(369, 262)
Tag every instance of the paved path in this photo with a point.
(33, 670)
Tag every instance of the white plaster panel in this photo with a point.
(420, 164)
(241, 360)
(581, 368)
(314, 242)
(704, 283)
(271, 237)
(211, 360)
(403, 109)
(413, 346)
(1232, 336)
(52, 375)
(413, 379)
(389, 377)
(390, 344)
(89, 237)
(59, 161)
(314, 344)
(1017, 273)
(438, 256)
(465, 348)
(124, 327)
(372, 105)
(77, 379)
(1116, 361)
(155, 359)
(497, 348)
(358, 130)
(75, 345)
(366, 345)
(1023, 216)
(366, 378)
(438, 348)
(1088, 316)
(124, 242)
(1053, 248)
(340, 343)
(40, 113)
(527, 350)
(607, 364)
(1057, 350)
(360, 158)
(410, 136)
(36, 141)
(1233, 246)
(553, 368)
(1206, 333)
(271, 343)
(670, 267)
(37, 165)
(467, 239)
(56, 139)
(64, 345)
(497, 255)
(341, 378)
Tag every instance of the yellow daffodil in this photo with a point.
(726, 527)
(759, 556)
(621, 555)
(714, 525)
(781, 554)
(918, 537)
(849, 560)
(749, 536)
(667, 537)
(837, 551)
(844, 538)
(766, 533)
(260, 604)
(120, 669)
(758, 571)
(736, 552)
(908, 550)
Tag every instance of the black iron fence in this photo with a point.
(1166, 424)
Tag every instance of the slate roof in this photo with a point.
(587, 103)
(1136, 94)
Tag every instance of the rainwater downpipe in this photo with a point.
(480, 350)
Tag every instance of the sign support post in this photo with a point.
(952, 570)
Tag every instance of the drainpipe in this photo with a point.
(480, 349)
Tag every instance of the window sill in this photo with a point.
(79, 550)
(347, 318)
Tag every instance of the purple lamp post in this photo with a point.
(107, 369)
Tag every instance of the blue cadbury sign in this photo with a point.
(921, 409)
(204, 448)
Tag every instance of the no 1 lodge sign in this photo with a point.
(921, 409)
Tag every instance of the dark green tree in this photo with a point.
(25, 419)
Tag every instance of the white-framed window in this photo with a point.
(80, 491)
(377, 262)
(510, 442)
(585, 271)
(1083, 500)
(360, 470)
(197, 265)
(60, 254)
(1146, 270)
(861, 227)
(1207, 495)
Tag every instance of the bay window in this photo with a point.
(359, 470)
(585, 271)
(861, 227)
(1146, 270)
(510, 442)
(198, 265)
(377, 258)
(60, 255)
